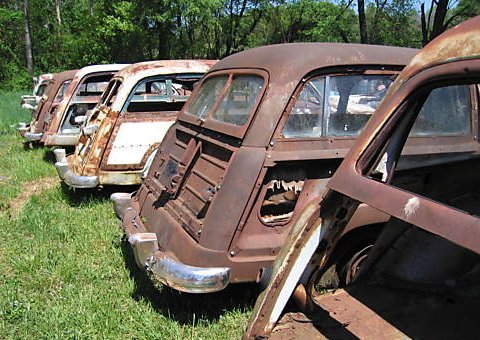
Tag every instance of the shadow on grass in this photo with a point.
(185, 307)
(29, 146)
(49, 156)
(75, 197)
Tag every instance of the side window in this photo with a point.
(445, 112)
(305, 119)
(349, 103)
(439, 169)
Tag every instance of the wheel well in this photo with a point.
(356, 236)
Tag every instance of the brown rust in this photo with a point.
(211, 188)
(58, 115)
(54, 93)
(429, 248)
(93, 153)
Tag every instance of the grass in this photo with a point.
(66, 272)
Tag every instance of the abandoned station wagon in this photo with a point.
(30, 101)
(422, 276)
(120, 138)
(86, 88)
(255, 143)
(52, 97)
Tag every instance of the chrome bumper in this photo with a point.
(24, 131)
(61, 139)
(67, 175)
(164, 269)
(33, 137)
(22, 128)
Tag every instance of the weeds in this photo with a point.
(66, 272)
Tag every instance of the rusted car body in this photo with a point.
(119, 139)
(256, 142)
(30, 102)
(52, 97)
(81, 96)
(422, 276)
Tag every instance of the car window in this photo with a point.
(241, 96)
(349, 103)
(442, 171)
(445, 112)
(207, 96)
(93, 86)
(232, 98)
(161, 93)
(62, 89)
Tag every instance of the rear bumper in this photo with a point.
(163, 268)
(68, 176)
(23, 128)
(25, 132)
(61, 139)
(33, 137)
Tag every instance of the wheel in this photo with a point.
(346, 260)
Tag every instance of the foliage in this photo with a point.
(70, 34)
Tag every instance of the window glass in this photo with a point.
(445, 112)
(305, 119)
(207, 96)
(41, 89)
(241, 96)
(93, 86)
(62, 89)
(110, 93)
(161, 94)
(351, 100)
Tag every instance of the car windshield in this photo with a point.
(227, 99)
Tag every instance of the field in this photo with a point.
(66, 272)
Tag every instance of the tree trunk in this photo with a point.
(439, 19)
(91, 8)
(362, 22)
(58, 14)
(28, 40)
(424, 25)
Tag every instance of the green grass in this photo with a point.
(66, 272)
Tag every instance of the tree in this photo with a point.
(28, 39)
(446, 13)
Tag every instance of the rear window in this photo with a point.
(336, 105)
(110, 93)
(227, 99)
(163, 93)
(62, 89)
(93, 86)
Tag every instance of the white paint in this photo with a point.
(134, 139)
(296, 272)
(411, 207)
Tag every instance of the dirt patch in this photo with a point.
(29, 189)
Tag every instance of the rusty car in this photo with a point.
(255, 143)
(120, 137)
(54, 93)
(30, 102)
(421, 278)
(81, 96)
